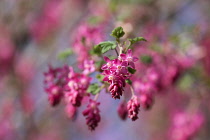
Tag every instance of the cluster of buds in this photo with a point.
(133, 108)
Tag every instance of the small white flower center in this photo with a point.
(119, 67)
(70, 83)
(129, 58)
(109, 64)
(111, 77)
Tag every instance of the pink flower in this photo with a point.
(119, 67)
(75, 88)
(88, 67)
(108, 64)
(54, 94)
(74, 97)
(128, 58)
(133, 108)
(92, 114)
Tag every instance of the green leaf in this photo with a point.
(96, 50)
(64, 54)
(137, 39)
(128, 81)
(100, 77)
(146, 59)
(93, 89)
(106, 46)
(132, 71)
(118, 32)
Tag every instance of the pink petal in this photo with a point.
(132, 65)
(123, 56)
(135, 59)
(107, 59)
(129, 52)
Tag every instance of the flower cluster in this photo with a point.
(55, 80)
(76, 87)
(92, 114)
(116, 72)
(73, 87)
(133, 108)
(154, 73)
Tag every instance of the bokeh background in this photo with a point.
(34, 32)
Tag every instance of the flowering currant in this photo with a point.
(65, 83)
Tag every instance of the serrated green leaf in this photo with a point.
(64, 54)
(118, 32)
(106, 46)
(128, 81)
(146, 59)
(93, 89)
(137, 39)
(132, 71)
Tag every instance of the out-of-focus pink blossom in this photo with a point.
(88, 67)
(76, 87)
(92, 114)
(86, 37)
(48, 21)
(185, 125)
(122, 110)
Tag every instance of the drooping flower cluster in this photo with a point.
(76, 87)
(117, 71)
(92, 114)
(64, 83)
(55, 80)
(185, 126)
(133, 108)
